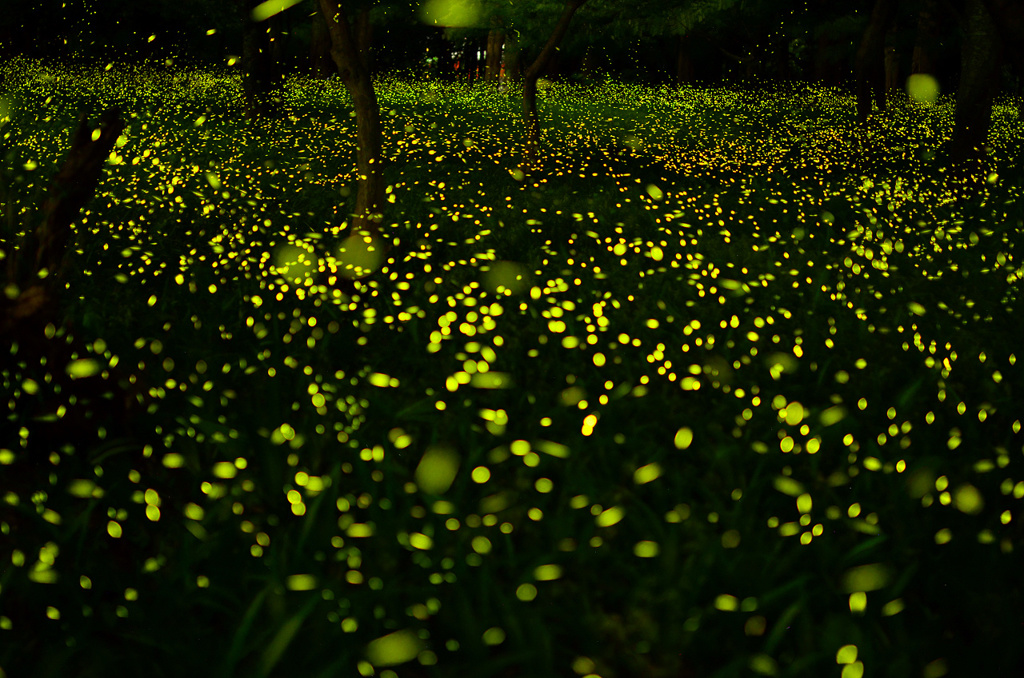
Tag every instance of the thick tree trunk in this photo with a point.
(532, 122)
(364, 41)
(981, 63)
(927, 40)
(320, 49)
(369, 158)
(869, 68)
(495, 39)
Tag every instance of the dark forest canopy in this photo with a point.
(660, 41)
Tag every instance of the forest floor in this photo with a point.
(728, 385)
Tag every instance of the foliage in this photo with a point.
(730, 385)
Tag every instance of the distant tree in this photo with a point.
(981, 65)
(262, 67)
(495, 43)
(532, 73)
(927, 39)
(869, 68)
(320, 47)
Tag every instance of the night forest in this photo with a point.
(511, 339)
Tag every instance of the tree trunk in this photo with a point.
(36, 298)
(981, 64)
(320, 49)
(826, 68)
(532, 122)
(513, 62)
(1009, 20)
(495, 39)
(364, 41)
(36, 336)
(369, 158)
(684, 61)
(469, 60)
(927, 40)
(892, 68)
(554, 67)
(445, 63)
(261, 73)
(1009, 24)
(278, 32)
(869, 68)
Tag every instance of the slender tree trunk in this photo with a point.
(826, 67)
(1009, 22)
(445, 63)
(495, 40)
(530, 118)
(352, 70)
(927, 40)
(981, 63)
(513, 59)
(869, 68)
(320, 49)
(469, 59)
(892, 68)
(261, 80)
(684, 61)
(44, 246)
(278, 32)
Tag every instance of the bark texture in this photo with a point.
(1009, 20)
(827, 69)
(981, 63)
(513, 59)
(530, 118)
(495, 40)
(263, 75)
(364, 41)
(352, 69)
(927, 39)
(320, 48)
(869, 67)
(32, 299)
(35, 282)
(892, 66)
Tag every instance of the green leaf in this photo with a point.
(283, 638)
(234, 654)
